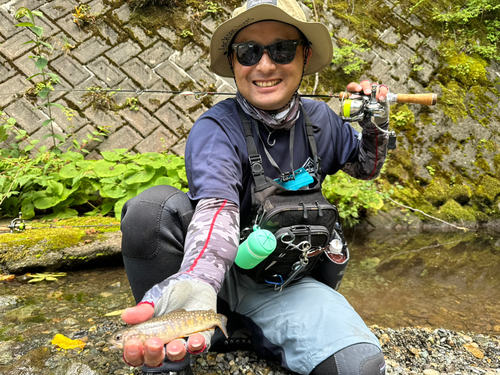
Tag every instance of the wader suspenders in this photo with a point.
(256, 160)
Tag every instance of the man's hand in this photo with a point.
(365, 87)
(152, 352)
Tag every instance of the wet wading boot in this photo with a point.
(170, 368)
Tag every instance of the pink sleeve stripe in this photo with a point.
(208, 237)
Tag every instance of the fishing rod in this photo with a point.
(18, 224)
(353, 106)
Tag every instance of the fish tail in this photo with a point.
(222, 324)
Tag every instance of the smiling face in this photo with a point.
(268, 85)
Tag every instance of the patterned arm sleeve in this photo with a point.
(209, 250)
(372, 152)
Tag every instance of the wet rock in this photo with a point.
(80, 369)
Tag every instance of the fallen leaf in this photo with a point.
(66, 343)
(7, 277)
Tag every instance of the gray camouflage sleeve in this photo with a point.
(209, 249)
(372, 152)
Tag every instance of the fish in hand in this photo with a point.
(174, 325)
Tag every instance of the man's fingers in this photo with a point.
(154, 352)
(366, 86)
(196, 343)
(354, 87)
(176, 351)
(382, 92)
(138, 314)
(133, 352)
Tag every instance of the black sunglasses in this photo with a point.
(250, 53)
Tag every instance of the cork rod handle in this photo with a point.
(426, 99)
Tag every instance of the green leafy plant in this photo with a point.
(41, 63)
(352, 196)
(214, 8)
(66, 185)
(132, 103)
(346, 56)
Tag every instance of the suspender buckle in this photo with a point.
(256, 164)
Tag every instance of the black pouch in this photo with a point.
(297, 246)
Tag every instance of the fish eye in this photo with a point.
(118, 337)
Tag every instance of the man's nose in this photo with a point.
(266, 64)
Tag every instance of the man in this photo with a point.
(179, 249)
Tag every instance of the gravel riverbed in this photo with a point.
(407, 351)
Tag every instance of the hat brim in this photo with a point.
(315, 32)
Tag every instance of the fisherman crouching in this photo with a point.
(267, 146)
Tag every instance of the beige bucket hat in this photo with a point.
(287, 11)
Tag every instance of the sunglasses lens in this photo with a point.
(249, 54)
(283, 52)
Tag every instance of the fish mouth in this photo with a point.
(114, 348)
(270, 83)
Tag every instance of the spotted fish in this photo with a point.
(174, 325)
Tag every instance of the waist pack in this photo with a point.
(302, 221)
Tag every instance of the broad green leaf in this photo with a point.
(114, 192)
(74, 156)
(68, 171)
(141, 176)
(110, 155)
(46, 202)
(54, 77)
(165, 181)
(107, 207)
(37, 13)
(37, 30)
(44, 92)
(108, 169)
(47, 122)
(57, 187)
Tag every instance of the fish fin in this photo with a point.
(222, 325)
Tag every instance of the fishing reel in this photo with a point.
(354, 107)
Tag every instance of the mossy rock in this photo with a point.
(437, 192)
(496, 163)
(488, 189)
(460, 193)
(453, 212)
(481, 217)
(396, 172)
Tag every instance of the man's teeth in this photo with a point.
(267, 83)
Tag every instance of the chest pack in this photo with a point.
(302, 221)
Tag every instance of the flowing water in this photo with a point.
(436, 280)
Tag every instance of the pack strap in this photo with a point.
(255, 158)
(253, 155)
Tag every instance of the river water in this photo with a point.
(436, 280)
